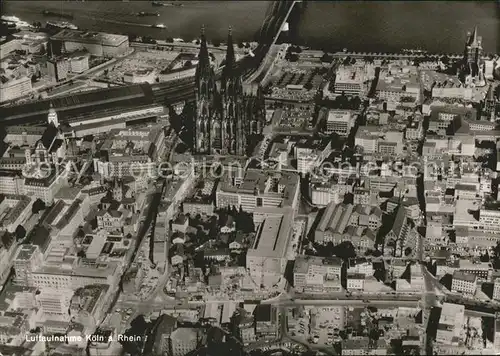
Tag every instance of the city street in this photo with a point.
(351, 303)
(151, 204)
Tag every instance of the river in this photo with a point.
(438, 26)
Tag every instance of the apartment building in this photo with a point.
(355, 281)
(464, 283)
(489, 219)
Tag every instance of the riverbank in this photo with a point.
(180, 22)
(438, 27)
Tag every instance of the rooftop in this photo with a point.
(263, 312)
(339, 116)
(464, 276)
(40, 236)
(398, 79)
(105, 39)
(89, 295)
(351, 74)
(464, 211)
(468, 114)
(336, 217)
(303, 262)
(449, 312)
(184, 335)
(29, 130)
(96, 271)
(25, 252)
(274, 233)
(262, 183)
(67, 193)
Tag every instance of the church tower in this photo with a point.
(234, 130)
(205, 100)
(118, 190)
(52, 117)
(472, 61)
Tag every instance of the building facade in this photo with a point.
(14, 88)
(224, 118)
(464, 283)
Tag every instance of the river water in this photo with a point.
(438, 26)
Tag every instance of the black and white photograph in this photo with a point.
(249, 178)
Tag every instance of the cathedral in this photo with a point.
(226, 113)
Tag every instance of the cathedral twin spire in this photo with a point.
(203, 68)
(228, 70)
(219, 123)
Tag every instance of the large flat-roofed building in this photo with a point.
(268, 254)
(98, 44)
(183, 341)
(258, 189)
(54, 302)
(317, 274)
(367, 138)
(14, 88)
(451, 323)
(140, 76)
(396, 83)
(340, 122)
(349, 80)
(71, 274)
